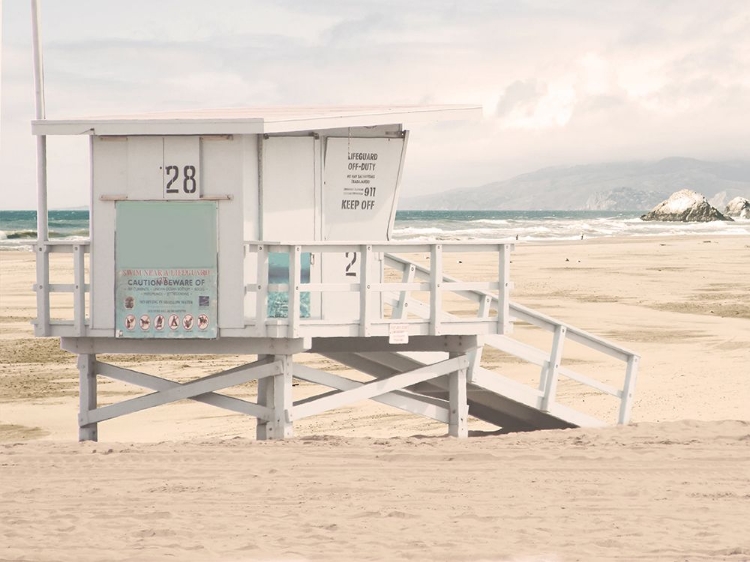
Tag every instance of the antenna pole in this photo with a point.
(41, 140)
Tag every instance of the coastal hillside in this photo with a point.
(611, 186)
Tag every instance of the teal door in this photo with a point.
(166, 269)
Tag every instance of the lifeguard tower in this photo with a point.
(268, 232)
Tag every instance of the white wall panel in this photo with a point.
(110, 177)
(222, 174)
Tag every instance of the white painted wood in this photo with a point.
(282, 427)
(179, 153)
(365, 294)
(110, 177)
(377, 388)
(503, 307)
(295, 271)
(222, 173)
(436, 296)
(553, 369)
(86, 397)
(42, 326)
(79, 289)
(261, 296)
(433, 408)
(145, 168)
(265, 398)
(288, 188)
(234, 121)
(626, 404)
(233, 377)
(246, 344)
(399, 310)
(459, 407)
(156, 383)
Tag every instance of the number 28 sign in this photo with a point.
(180, 182)
(181, 168)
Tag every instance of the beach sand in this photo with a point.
(188, 482)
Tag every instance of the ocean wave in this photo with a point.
(18, 235)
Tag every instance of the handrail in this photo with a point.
(551, 368)
(369, 285)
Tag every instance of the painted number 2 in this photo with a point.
(349, 271)
(189, 183)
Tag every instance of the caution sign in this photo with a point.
(167, 303)
(166, 270)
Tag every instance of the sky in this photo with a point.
(561, 82)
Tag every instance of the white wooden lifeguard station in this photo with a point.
(268, 232)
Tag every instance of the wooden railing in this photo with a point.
(377, 313)
(79, 288)
(385, 285)
(550, 362)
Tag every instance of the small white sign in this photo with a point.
(398, 333)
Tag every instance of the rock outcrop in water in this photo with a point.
(738, 207)
(685, 206)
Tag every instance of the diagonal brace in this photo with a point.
(379, 387)
(434, 408)
(218, 381)
(157, 383)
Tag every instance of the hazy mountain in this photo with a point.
(615, 186)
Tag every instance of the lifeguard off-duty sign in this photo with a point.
(166, 277)
(361, 176)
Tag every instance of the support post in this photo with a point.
(265, 398)
(87, 396)
(276, 393)
(458, 403)
(42, 226)
(282, 400)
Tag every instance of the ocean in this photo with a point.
(18, 228)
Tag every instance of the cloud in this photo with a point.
(565, 82)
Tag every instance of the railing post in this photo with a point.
(79, 290)
(550, 390)
(626, 402)
(436, 283)
(261, 296)
(42, 289)
(503, 297)
(365, 306)
(407, 277)
(295, 253)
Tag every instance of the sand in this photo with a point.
(188, 482)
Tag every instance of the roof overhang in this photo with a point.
(242, 121)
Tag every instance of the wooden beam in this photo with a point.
(86, 397)
(156, 383)
(379, 387)
(459, 405)
(184, 391)
(402, 399)
(553, 369)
